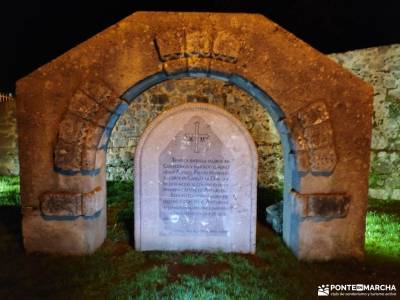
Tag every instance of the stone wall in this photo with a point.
(175, 92)
(380, 67)
(8, 139)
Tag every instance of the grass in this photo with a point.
(116, 271)
(382, 236)
(9, 190)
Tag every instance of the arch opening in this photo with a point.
(291, 178)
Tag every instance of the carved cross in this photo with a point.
(197, 137)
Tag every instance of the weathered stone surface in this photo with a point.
(198, 44)
(68, 237)
(71, 128)
(297, 133)
(323, 160)
(61, 204)
(71, 204)
(101, 117)
(223, 66)
(274, 216)
(302, 161)
(198, 50)
(68, 156)
(171, 45)
(172, 93)
(226, 47)
(379, 193)
(195, 182)
(88, 158)
(313, 114)
(125, 56)
(362, 62)
(378, 66)
(319, 136)
(91, 202)
(176, 66)
(322, 205)
(83, 106)
(91, 135)
(97, 89)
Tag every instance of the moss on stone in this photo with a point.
(393, 106)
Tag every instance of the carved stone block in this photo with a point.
(88, 158)
(319, 135)
(313, 114)
(70, 129)
(175, 66)
(198, 63)
(222, 66)
(226, 47)
(101, 93)
(321, 205)
(60, 204)
(170, 45)
(101, 116)
(323, 160)
(198, 44)
(91, 202)
(67, 156)
(297, 134)
(329, 206)
(69, 204)
(91, 135)
(83, 105)
(302, 161)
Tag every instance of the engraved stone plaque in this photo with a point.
(195, 182)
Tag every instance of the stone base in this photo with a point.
(321, 227)
(77, 236)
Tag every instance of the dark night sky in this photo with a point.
(34, 32)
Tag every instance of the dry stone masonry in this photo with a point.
(166, 95)
(380, 67)
(67, 109)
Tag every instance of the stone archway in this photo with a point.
(67, 109)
